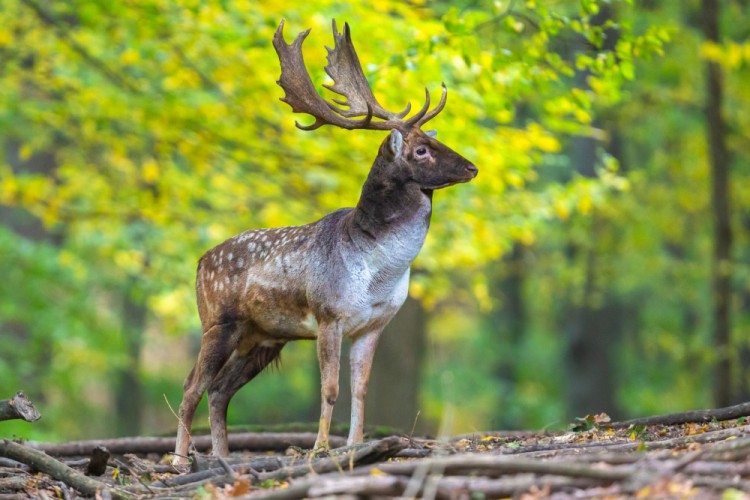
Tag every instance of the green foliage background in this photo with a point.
(139, 134)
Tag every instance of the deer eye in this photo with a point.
(421, 151)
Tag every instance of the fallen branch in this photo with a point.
(18, 407)
(266, 464)
(333, 485)
(290, 467)
(499, 465)
(556, 449)
(442, 487)
(245, 441)
(13, 483)
(346, 458)
(367, 453)
(727, 413)
(58, 470)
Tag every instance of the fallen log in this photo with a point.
(557, 449)
(44, 463)
(264, 441)
(496, 465)
(18, 408)
(337, 484)
(720, 414)
(440, 487)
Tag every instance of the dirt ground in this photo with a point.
(595, 459)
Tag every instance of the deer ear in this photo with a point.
(431, 133)
(394, 146)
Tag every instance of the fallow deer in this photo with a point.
(345, 275)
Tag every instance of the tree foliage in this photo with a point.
(143, 133)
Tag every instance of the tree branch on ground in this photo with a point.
(251, 441)
(720, 414)
(44, 463)
(18, 407)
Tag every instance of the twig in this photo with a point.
(361, 455)
(191, 446)
(227, 468)
(270, 463)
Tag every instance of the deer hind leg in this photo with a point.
(217, 344)
(238, 371)
(329, 353)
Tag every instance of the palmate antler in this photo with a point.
(348, 81)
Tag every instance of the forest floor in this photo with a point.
(691, 455)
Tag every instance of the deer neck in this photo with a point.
(391, 218)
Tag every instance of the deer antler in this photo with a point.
(348, 81)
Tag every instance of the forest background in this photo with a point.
(598, 263)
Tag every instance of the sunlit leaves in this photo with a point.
(165, 134)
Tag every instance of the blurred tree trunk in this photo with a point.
(393, 394)
(721, 268)
(128, 387)
(509, 321)
(29, 227)
(594, 325)
(743, 378)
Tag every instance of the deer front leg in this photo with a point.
(360, 358)
(329, 353)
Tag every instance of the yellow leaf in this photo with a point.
(527, 237)
(130, 56)
(6, 37)
(416, 289)
(562, 209)
(548, 144)
(585, 204)
(514, 179)
(376, 472)
(25, 152)
(583, 116)
(150, 170)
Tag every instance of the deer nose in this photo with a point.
(472, 170)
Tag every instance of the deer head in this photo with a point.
(408, 154)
